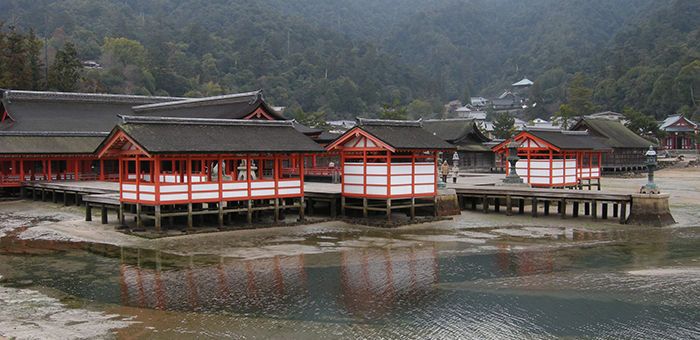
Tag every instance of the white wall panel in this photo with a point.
(424, 179)
(424, 189)
(378, 169)
(350, 179)
(401, 190)
(173, 188)
(205, 187)
(234, 185)
(353, 189)
(398, 180)
(380, 180)
(205, 195)
(289, 191)
(354, 169)
(376, 190)
(401, 169)
(262, 192)
(173, 197)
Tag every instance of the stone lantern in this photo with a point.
(650, 187)
(513, 158)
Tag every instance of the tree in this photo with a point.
(504, 126)
(64, 73)
(642, 124)
(579, 96)
(126, 51)
(310, 119)
(395, 112)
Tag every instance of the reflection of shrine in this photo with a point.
(374, 280)
(231, 285)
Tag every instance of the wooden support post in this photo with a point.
(105, 214)
(594, 210)
(485, 204)
(221, 213)
(249, 217)
(364, 207)
(473, 199)
(388, 209)
(623, 212)
(277, 210)
(43, 195)
(604, 206)
(53, 196)
(574, 209)
(562, 208)
(497, 204)
(521, 205)
(33, 193)
(615, 209)
(311, 206)
(334, 207)
(158, 218)
(189, 215)
(65, 198)
(534, 206)
(77, 199)
(509, 205)
(121, 213)
(88, 212)
(587, 208)
(302, 203)
(342, 205)
(139, 221)
(413, 208)
(546, 208)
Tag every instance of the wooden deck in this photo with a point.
(473, 190)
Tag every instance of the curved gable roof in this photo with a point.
(612, 133)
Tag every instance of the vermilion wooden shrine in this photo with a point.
(551, 158)
(171, 162)
(385, 160)
(51, 156)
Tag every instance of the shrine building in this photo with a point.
(169, 164)
(554, 158)
(385, 160)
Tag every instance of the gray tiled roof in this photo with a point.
(403, 135)
(157, 135)
(32, 143)
(612, 133)
(570, 140)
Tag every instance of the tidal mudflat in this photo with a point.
(475, 276)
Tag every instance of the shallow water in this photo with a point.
(496, 283)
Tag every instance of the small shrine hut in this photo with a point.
(554, 158)
(385, 160)
(173, 166)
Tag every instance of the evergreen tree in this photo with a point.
(64, 73)
(395, 112)
(504, 126)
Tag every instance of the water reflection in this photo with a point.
(518, 283)
(374, 279)
(232, 285)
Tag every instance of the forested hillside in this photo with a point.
(345, 57)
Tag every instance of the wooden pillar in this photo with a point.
(546, 208)
(509, 205)
(615, 210)
(562, 208)
(485, 204)
(189, 211)
(413, 208)
(277, 210)
(139, 221)
(88, 212)
(302, 204)
(43, 195)
(574, 209)
(221, 205)
(388, 209)
(121, 213)
(364, 207)
(249, 214)
(342, 205)
(594, 210)
(586, 208)
(311, 206)
(496, 204)
(158, 218)
(104, 212)
(334, 207)
(534, 207)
